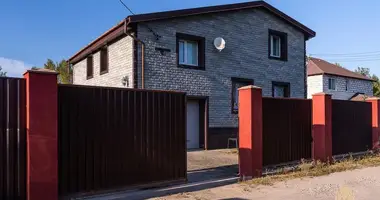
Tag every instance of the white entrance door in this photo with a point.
(192, 124)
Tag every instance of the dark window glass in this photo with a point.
(236, 84)
(90, 67)
(280, 89)
(104, 60)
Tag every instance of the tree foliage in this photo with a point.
(363, 71)
(339, 65)
(2, 73)
(61, 67)
(376, 84)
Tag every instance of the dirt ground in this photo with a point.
(211, 165)
(200, 160)
(212, 175)
(359, 184)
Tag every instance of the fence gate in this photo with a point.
(351, 126)
(12, 138)
(112, 137)
(286, 130)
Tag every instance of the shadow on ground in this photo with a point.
(197, 180)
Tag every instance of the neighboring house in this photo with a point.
(264, 47)
(332, 79)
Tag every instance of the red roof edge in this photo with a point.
(317, 66)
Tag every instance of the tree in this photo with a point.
(64, 71)
(2, 73)
(363, 71)
(376, 84)
(339, 65)
(62, 68)
(50, 65)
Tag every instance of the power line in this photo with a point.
(127, 7)
(151, 30)
(349, 56)
(353, 60)
(346, 54)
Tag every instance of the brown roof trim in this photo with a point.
(41, 71)
(365, 79)
(108, 36)
(220, 8)
(117, 30)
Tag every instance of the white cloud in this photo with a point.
(13, 68)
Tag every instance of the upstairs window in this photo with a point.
(280, 89)
(90, 67)
(278, 45)
(236, 84)
(104, 60)
(190, 51)
(332, 85)
(275, 43)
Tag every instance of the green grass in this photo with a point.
(314, 169)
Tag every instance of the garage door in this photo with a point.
(192, 124)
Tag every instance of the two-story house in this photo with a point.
(174, 50)
(332, 79)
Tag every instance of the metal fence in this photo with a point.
(287, 129)
(351, 126)
(111, 138)
(12, 138)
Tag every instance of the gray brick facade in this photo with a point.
(245, 56)
(120, 65)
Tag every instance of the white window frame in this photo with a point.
(271, 46)
(334, 80)
(185, 42)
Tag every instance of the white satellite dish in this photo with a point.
(219, 43)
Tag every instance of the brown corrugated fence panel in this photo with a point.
(112, 137)
(351, 126)
(286, 130)
(12, 138)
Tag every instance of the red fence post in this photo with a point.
(375, 101)
(322, 127)
(42, 155)
(250, 132)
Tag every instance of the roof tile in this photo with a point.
(317, 66)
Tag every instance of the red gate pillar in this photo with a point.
(375, 121)
(322, 127)
(250, 132)
(42, 155)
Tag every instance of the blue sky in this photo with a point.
(32, 31)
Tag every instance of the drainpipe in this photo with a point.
(126, 22)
